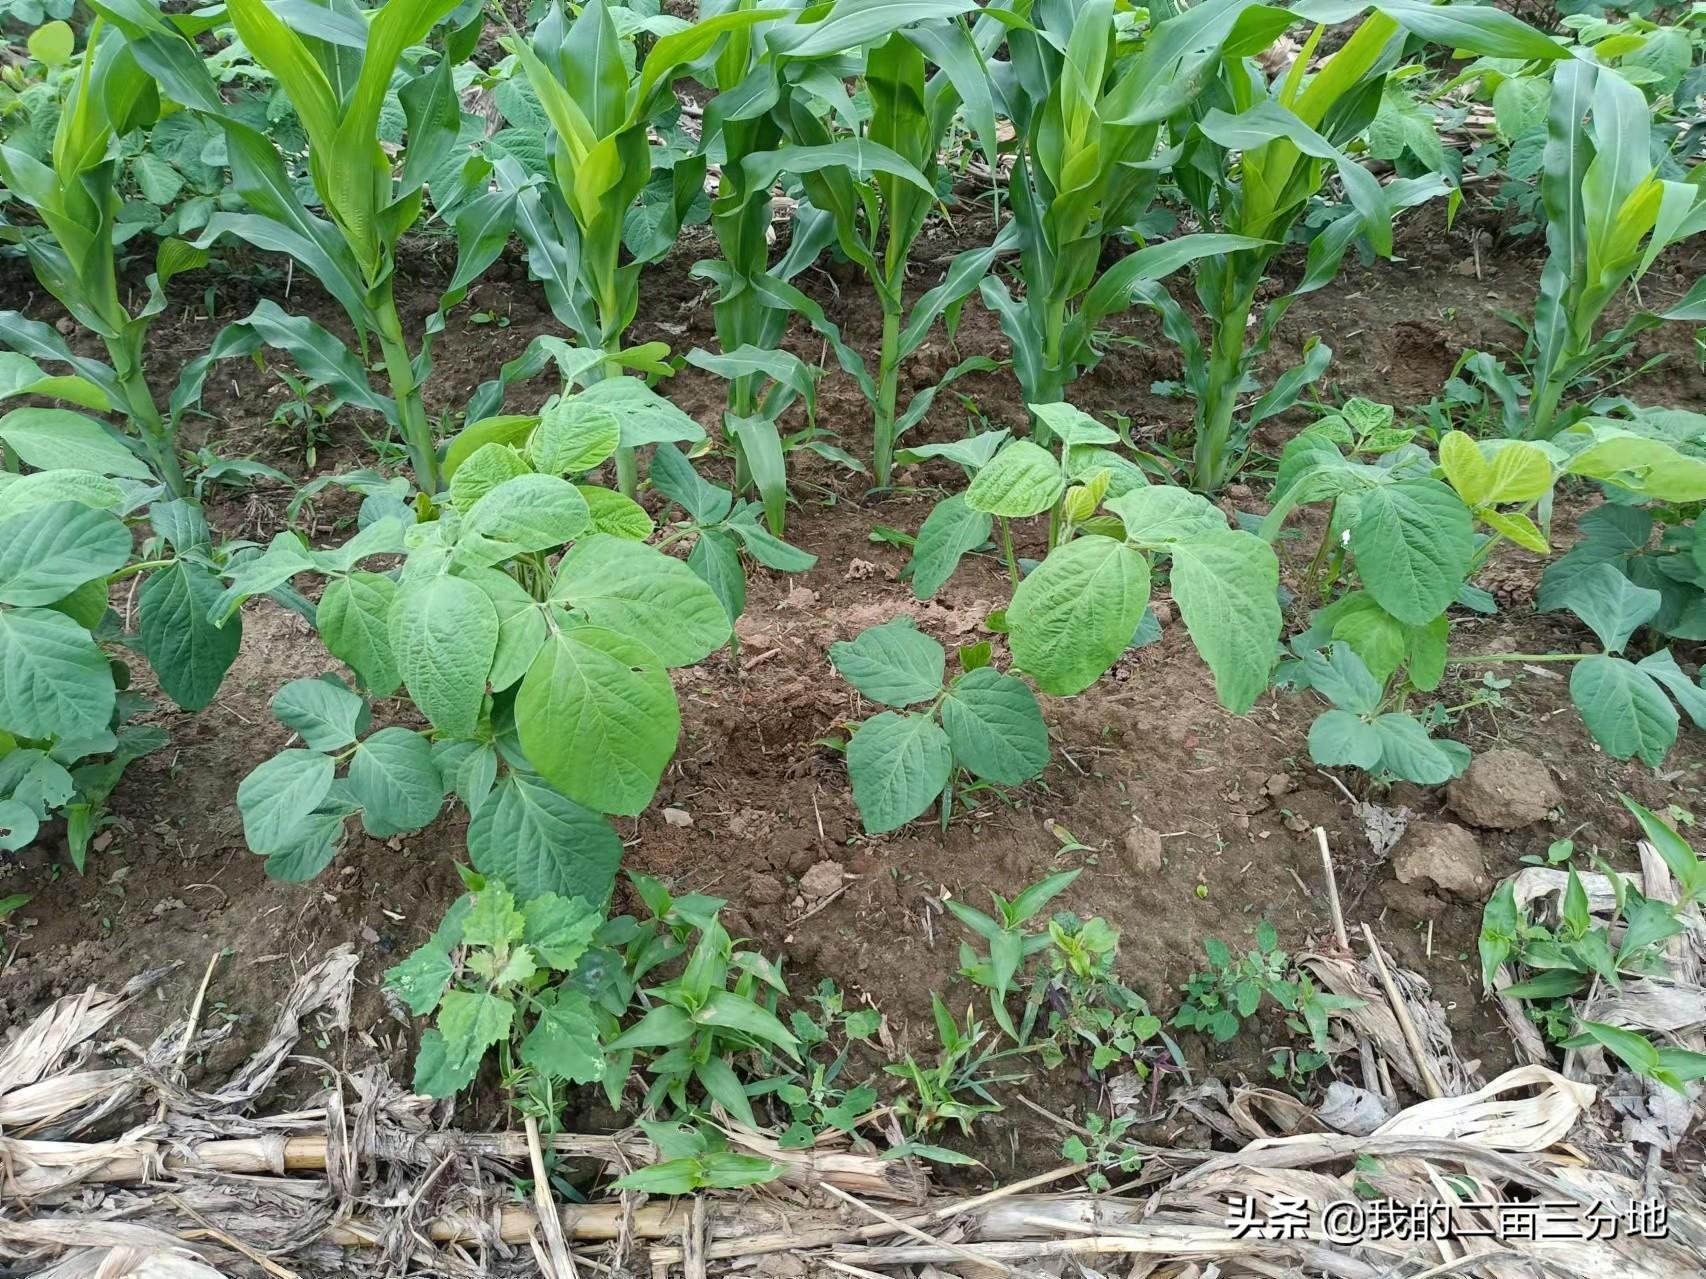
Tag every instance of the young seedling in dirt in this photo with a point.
(901, 762)
(64, 691)
(1366, 726)
(1009, 944)
(693, 1157)
(961, 1066)
(1086, 603)
(491, 973)
(1574, 952)
(816, 1096)
(1221, 999)
(1077, 1001)
(1104, 1149)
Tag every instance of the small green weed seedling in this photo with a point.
(962, 1066)
(1104, 1150)
(900, 761)
(1574, 951)
(817, 1096)
(1080, 1002)
(1009, 944)
(693, 1158)
(1219, 1000)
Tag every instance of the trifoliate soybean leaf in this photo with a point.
(995, 726)
(54, 682)
(1407, 751)
(715, 557)
(325, 714)
(537, 841)
(1494, 474)
(645, 416)
(1518, 528)
(563, 1043)
(1071, 425)
(1689, 695)
(393, 776)
(444, 634)
(1226, 584)
(949, 532)
(899, 764)
(521, 624)
(354, 619)
(637, 591)
(1157, 515)
(615, 514)
(597, 717)
(1413, 542)
(20, 493)
(1077, 611)
(49, 551)
(1624, 708)
(573, 436)
(1022, 479)
(1339, 739)
(485, 468)
(528, 513)
(895, 663)
(559, 929)
(421, 978)
(1613, 607)
(278, 797)
(49, 439)
(1343, 678)
(187, 652)
(1124, 475)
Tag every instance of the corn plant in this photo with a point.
(71, 244)
(878, 186)
(1609, 216)
(543, 677)
(598, 119)
(1255, 155)
(1088, 102)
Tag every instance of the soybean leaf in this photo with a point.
(393, 776)
(1226, 583)
(895, 663)
(537, 841)
(995, 726)
(49, 551)
(1613, 607)
(443, 635)
(1022, 479)
(1625, 710)
(187, 652)
(638, 591)
(354, 621)
(1076, 612)
(325, 714)
(899, 764)
(278, 796)
(1413, 542)
(949, 532)
(54, 682)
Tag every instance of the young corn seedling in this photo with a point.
(71, 245)
(1609, 216)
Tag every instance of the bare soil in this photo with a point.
(1233, 799)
